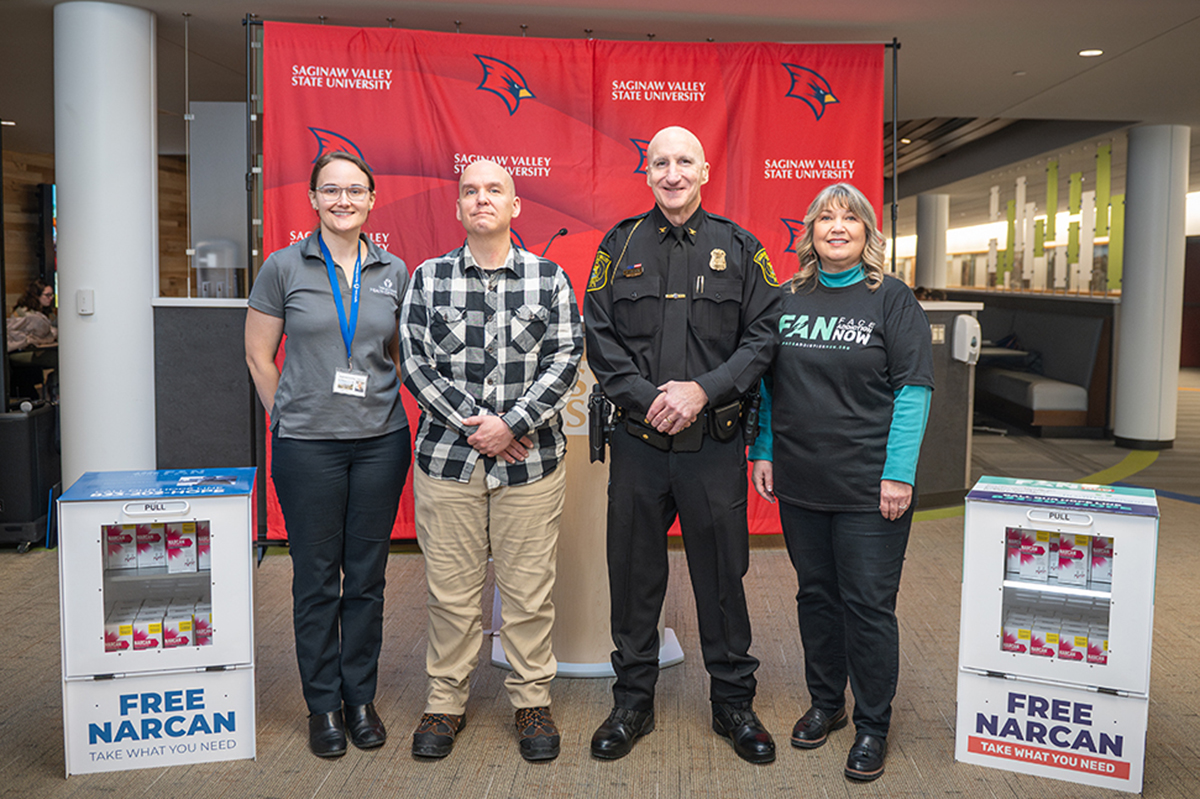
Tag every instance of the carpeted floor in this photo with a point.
(682, 758)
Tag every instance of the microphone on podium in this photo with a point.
(561, 232)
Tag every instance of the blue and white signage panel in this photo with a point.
(1066, 497)
(1054, 731)
(164, 483)
(159, 720)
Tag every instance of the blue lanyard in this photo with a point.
(347, 327)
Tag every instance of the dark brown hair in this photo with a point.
(32, 298)
(340, 155)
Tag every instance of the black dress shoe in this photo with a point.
(741, 726)
(537, 734)
(364, 725)
(815, 725)
(327, 734)
(865, 761)
(434, 736)
(616, 736)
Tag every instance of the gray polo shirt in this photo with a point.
(293, 285)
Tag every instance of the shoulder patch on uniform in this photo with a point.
(764, 263)
(599, 276)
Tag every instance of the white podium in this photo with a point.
(582, 631)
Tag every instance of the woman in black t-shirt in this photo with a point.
(844, 410)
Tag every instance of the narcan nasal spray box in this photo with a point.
(1102, 560)
(1044, 637)
(151, 546)
(1035, 555)
(1073, 559)
(147, 631)
(120, 546)
(181, 547)
(177, 629)
(203, 546)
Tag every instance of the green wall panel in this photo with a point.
(1103, 187)
(1051, 199)
(1012, 239)
(1116, 243)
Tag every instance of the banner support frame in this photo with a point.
(257, 431)
(254, 180)
(895, 46)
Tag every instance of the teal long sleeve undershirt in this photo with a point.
(910, 412)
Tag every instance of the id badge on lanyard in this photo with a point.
(349, 382)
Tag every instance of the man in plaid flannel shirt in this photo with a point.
(491, 345)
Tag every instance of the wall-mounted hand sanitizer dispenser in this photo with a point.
(967, 339)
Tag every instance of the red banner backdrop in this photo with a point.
(570, 120)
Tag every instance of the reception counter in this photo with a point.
(944, 471)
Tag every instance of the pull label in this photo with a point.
(1061, 517)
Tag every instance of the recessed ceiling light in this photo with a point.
(8, 123)
(906, 141)
(1091, 53)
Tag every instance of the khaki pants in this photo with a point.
(458, 524)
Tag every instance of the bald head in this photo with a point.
(675, 171)
(487, 201)
(487, 170)
(673, 137)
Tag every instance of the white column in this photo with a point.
(1147, 382)
(106, 168)
(933, 220)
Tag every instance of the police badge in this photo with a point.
(599, 276)
(716, 261)
(764, 263)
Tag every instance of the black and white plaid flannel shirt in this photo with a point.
(505, 342)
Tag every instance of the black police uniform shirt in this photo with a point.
(843, 354)
(697, 302)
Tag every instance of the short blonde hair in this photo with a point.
(840, 195)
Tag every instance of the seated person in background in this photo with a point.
(32, 326)
(38, 298)
(33, 322)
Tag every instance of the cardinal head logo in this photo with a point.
(330, 142)
(795, 229)
(811, 87)
(641, 145)
(505, 81)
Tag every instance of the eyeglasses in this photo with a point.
(354, 193)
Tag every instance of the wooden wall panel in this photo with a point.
(22, 174)
(172, 226)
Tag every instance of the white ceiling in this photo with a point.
(958, 58)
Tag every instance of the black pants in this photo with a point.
(707, 489)
(339, 500)
(848, 568)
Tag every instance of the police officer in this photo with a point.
(679, 317)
